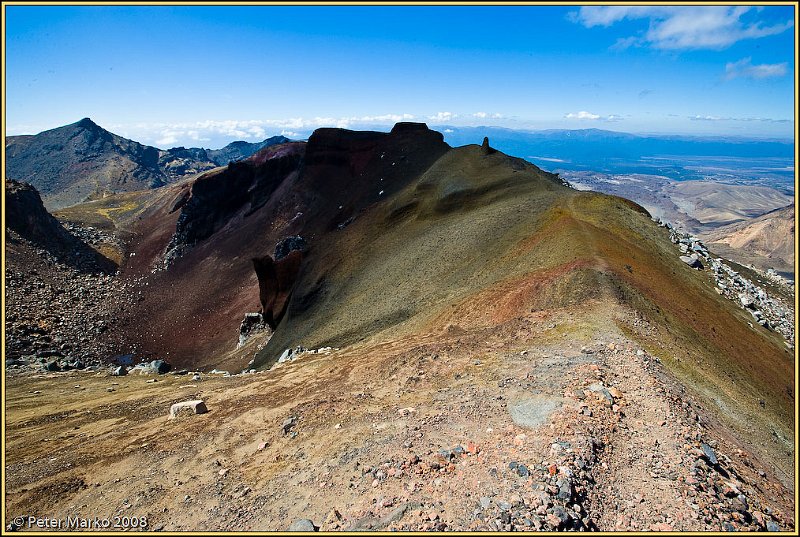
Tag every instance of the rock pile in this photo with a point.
(94, 236)
(55, 313)
(768, 311)
(290, 355)
(252, 324)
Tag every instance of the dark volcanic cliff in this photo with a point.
(229, 216)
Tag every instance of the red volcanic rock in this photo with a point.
(313, 190)
(275, 282)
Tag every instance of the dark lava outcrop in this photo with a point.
(215, 198)
(275, 283)
(288, 245)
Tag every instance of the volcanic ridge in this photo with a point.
(429, 338)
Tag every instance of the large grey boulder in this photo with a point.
(303, 524)
(692, 260)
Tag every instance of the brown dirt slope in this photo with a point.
(765, 242)
(422, 432)
(719, 204)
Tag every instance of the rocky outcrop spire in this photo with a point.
(485, 149)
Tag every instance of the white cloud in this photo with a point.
(583, 114)
(681, 27)
(448, 131)
(443, 116)
(707, 118)
(624, 43)
(167, 138)
(591, 16)
(744, 68)
(484, 115)
(168, 134)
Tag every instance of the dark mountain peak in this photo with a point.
(324, 134)
(240, 150)
(277, 151)
(87, 123)
(343, 138)
(279, 139)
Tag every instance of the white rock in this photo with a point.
(187, 408)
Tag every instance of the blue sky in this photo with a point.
(203, 76)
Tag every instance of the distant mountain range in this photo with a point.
(764, 161)
(82, 161)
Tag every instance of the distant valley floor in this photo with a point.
(746, 221)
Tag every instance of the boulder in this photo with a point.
(160, 366)
(289, 244)
(692, 260)
(534, 411)
(602, 393)
(187, 408)
(286, 356)
(156, 366)
(252, 322)
(709, 454)
(120, 371)
(288, 423)
(303, 524)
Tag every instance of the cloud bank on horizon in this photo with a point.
(724, 70)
